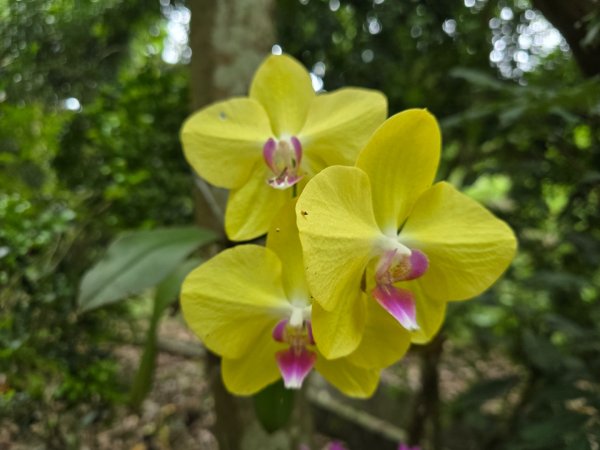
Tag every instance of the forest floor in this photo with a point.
(179, 411)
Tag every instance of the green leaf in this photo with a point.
(551, 432)
(273, 406)
(483, 391)
(168, 289)
(142, 383)
(479, 78)
(542, 354)
(138, 261)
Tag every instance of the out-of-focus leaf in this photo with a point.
(479, 78)
(564, 324)
(557, 279)
(551, 433)
(468, 116)
(591, 177)
(541, 352)
(512, 114)
(138, 261)
(485, 390)
(581, 442)
(592, 35)
(168, 289)
(273, 406)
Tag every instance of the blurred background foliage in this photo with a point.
(92, 95)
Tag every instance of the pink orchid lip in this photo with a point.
(294, 365)
(296, 362)
(283, 157)
(402, 446)
(400, 303)
(394, 267)
(336, 445)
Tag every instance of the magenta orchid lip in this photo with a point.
(394, 267)
(296, 362)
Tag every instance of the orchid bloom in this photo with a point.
(251, 305)
(266, 146)
(382, 231)
(402, 446)
(335, 445)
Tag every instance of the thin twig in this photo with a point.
(211, 201)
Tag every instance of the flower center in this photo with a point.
(283, 157)
(296, 362)
(392, 267)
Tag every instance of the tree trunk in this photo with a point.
(425, 420)
(228, 38)
(571, 18)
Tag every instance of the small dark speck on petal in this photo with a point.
(222, 115)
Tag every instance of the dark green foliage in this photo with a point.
(529, 148)
(273, 406)
(70, 180)
(527, 144)
(54, 49)
(126, 149)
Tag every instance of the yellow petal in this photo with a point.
(229, 300)
(283, 86)
(254, 370)
(252, 207)
(352, 380)
(467, 246)
(401, 160)
(339, 124)
(430, 313)
(383, 342)
(283, 239)
(337, 333)
(223, 141)
(338, 233)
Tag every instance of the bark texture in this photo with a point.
(228, 38)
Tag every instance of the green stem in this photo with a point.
(142, 383)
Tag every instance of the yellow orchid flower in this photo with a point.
(261, 146)
(382, 229)
(251, 305)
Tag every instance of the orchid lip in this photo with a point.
(283, 157)
(295, 365)
(295, 362)
(394, 266)
(399, 303)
